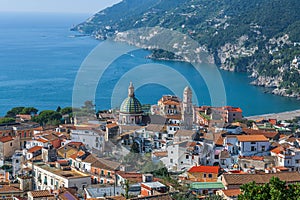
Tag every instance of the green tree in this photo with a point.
(135, 148)
(274, 190)
(126, 184)
(58, 109)
(29, 111)
(7, 120)
(48, 117)
(14, 111)
(66, 110)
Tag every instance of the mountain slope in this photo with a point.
(258, 36)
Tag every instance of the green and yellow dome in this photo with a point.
(131, 105)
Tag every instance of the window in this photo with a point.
(45, 180)
(187, 156)
(108, 173)
(171, 160)
(209, 175)
(102, 172)
(223, 161)
(51, 181)
(83, 140)
(253, 142)
(204, 175)
(216, 156)
(252, 148)
(263, 148)
(11, 144)
(171, 152)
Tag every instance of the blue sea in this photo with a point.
(40, 59)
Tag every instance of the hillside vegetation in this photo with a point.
(258, 36)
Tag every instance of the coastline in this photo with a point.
(287, 115)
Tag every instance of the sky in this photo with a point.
(62, 6)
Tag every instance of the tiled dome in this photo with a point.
(131, 105)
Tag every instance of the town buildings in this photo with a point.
(205, 149)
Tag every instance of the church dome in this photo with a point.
(131, 105)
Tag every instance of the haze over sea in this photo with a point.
(39, 62)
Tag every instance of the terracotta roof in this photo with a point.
(233, 109)
(232, 192)
(76, 144)
(90, 159)
(6, 139)
(173, 117)
(7, 188)
(268, 134)
(240, 179)
(42, 140)
(191, 144)
(220, 141)
(102, 163)
(277, 150)
(273, 121)
(160, 153)
(206, 169)
(26, 117)
(252, 138)
(34, 149)
(281, 168)
(51, 136)
(225, 154)
(66, 195)
(170, 102)
(261, 158)
(112, 125)
(41, 193)
(62, 161)
(66, 150)
(133, 177)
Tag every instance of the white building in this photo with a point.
(48, 177)
(93, 139)
(17, 159)
(250, 145)
(287, 157)
(38, 142)
(179, 157)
